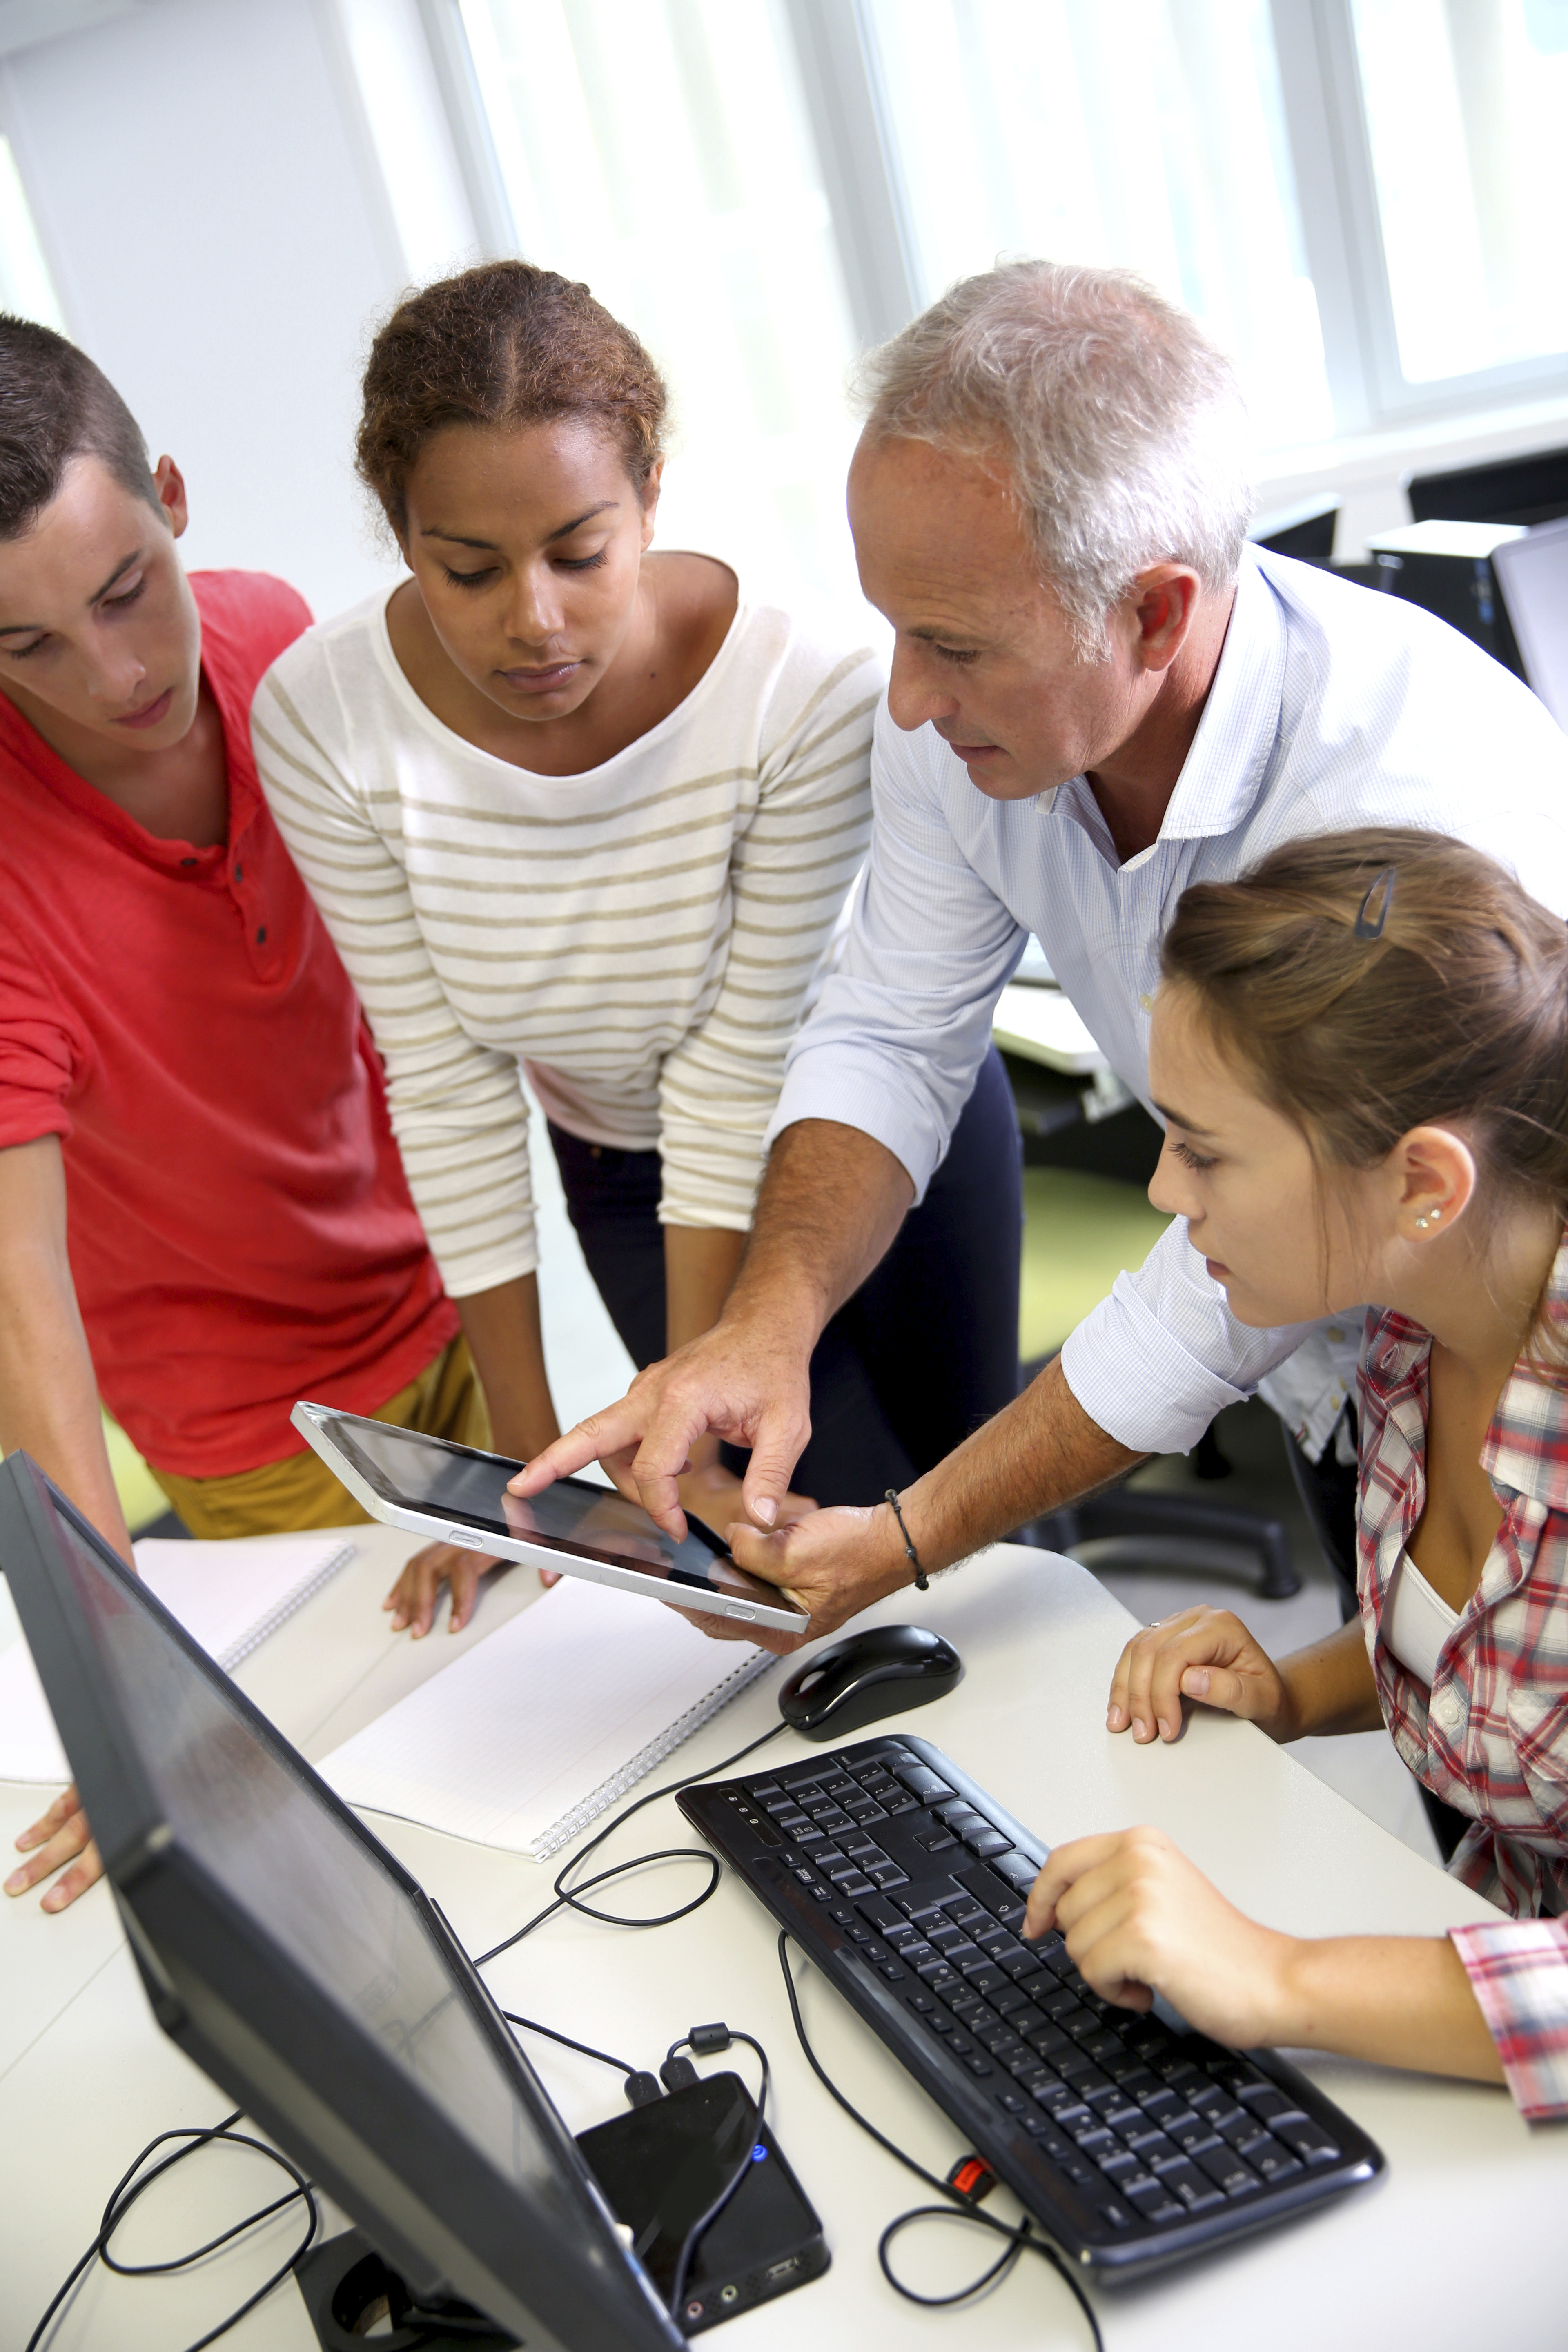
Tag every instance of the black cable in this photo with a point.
(533, 2026)
(700, 2228)
(128, 2189)
(1023, 2239)
(570, 1898)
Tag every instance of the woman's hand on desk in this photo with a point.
(413, 1596)
(1205, 1655)
(58, 1836)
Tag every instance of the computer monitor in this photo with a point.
(301, 1967)
(1527, 490)
(1533, 577)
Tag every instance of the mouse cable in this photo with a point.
(128, 2189)
(1021, 2239)
(570, 1898)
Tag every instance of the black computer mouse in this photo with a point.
(866, 1677)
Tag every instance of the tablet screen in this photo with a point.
(454, 1482)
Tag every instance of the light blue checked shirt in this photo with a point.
(1330, 707)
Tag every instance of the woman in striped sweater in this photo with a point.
(578, 810)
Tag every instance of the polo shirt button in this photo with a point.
(1334, 1334)
(1147, 1003)
(261, 937)
(189, 861)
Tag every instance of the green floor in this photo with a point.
(1079, 1232)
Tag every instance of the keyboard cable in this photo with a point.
(1021, 2239)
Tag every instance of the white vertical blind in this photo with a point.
(660, 151)
(1149, 135)
(1467, 118)
(26, 289)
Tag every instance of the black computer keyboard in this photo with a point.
(1131, 2142)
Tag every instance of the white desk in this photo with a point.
(1472, 2193)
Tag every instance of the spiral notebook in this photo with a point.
(229, 1596)
(541, 1727)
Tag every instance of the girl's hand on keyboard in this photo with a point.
(1205, 1654)
(1140, 1918)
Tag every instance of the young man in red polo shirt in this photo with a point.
(203, 1215)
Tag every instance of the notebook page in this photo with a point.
(228, 1596)
(544, 1723)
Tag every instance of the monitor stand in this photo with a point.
(347, 2288)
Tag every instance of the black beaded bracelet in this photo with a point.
(923, 1582)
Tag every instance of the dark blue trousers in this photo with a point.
(925, 1350)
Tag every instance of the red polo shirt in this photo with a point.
(240, 1231)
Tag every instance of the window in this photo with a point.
(1357, 197)
(1152, 136)
(25, 287)
(661, 150)
(1465, 103)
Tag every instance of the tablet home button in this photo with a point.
(466, 1537)
(742, 1608)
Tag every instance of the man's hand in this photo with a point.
(833, 1563)
(747, 1380)
(58, 1836)
(1140, 1918)
(413, 1596)
(1205, 1655)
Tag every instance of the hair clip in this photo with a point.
(1369, 926)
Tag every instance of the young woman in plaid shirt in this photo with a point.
(1361, 1050)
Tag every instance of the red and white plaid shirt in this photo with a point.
(1490, 1736)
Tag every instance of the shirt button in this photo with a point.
(1335, 1334)
(1146, 1002)
(261, 937)
(1448, 1709)
(239, 873)
(188, 861)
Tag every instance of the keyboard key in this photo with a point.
(1115, 2214)
(1276, 2163)
(964, 1911)
(922, 2004)
(853, 1887)
(1159, 2104)
(986, 1842)
(1023, 1966)
(865, 1811)
(938, 1978)
(1196, 2192)
(1008, 2001)
(1154, 2152)
(880, 1913)
(983, 1976)
(1011, 2101)
(917, 1900)
(1095, 2141)
(1018, 1871)
(961, 2043)
(1028, 2070)
(887, 1874)
(1308, 2141)
(1124, 2117)
(860, 1935)
(831, 1817)
(1227, 2172)
(864, 1848)
(1102, 2047)
(960, 1815)
(946, 1936)
(940, 2024)
(902, 1803)
(792, 1822)
(1269, 2103)
(982, 2066)
(1047, 2038)
(838, 1866)
(1190, 2132)
(1116, 2160)
(891, 1970)
(841, 1785)
(1154, 2202)
(922, 1782)
(935, 1841)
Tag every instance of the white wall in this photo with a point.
(212, 205)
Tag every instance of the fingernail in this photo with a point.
(16, 1883)
(767, 1510)
(1114, 1719)
(1140, 1729)
(1167, 1730)
(53, 1902)
(1195, 1682)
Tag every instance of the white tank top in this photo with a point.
(1417, 1622)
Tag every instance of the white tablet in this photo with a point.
(454, 1494)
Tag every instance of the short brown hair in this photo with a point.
(54, 405)
(1453, 1009)
(502, 344)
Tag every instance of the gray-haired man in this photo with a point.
(1098, 695)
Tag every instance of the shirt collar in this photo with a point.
(1224, 770)
(1527, 1444)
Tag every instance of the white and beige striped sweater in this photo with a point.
(643, 939)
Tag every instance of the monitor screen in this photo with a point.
(306, 1938)
(1532, 573)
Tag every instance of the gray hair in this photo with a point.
(1123, 426)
